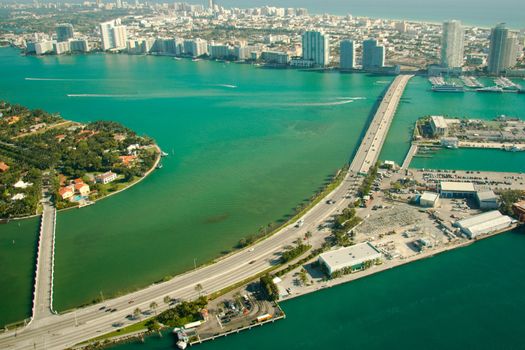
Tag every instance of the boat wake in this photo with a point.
(319, 104)
(351, 98)
(100, 95)
(229, 86)
(54, 79)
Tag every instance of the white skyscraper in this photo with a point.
(347, 54)
(316, 48)
(503, 49)
(452, 44)
(114, 35)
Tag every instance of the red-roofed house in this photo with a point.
(127, 160)
(82, 189)
(66, 192)
(3, 167)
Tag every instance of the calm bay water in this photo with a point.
(244, 156)
(470, 298)
(240, 157)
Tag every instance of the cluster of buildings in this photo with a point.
(64, 42)
(77, 190)
(290, 37)
(503, 50)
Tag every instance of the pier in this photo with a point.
(43, 287)
(372, 143)
(410, 155)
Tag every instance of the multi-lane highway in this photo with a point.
(66, 330)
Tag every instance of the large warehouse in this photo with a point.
(457, 189)
(353, 257)
(485, 223)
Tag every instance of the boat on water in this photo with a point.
(196, 59)
(514, 149)
(159, 166)
(448, 88)
(163, 154)
(493, 89)
(177, 58)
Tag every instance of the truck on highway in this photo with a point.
(299, 223)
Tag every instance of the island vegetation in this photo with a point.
(78, 162)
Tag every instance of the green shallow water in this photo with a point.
(469, 298)
(239, 157)
(17, 261)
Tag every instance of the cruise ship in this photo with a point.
(448, 88)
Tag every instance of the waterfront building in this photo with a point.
(347, 55)
(452, 44)
(195, 47)
(79, 45)
(373, 55)
(486, 223)
(64, 32)
(449, 189)
(438, 125)
(43, 47)
(519, 210)
(60, 48)
(316, 47)
(106, 177)
(113, 35)
(275, 57)
(220, 51)
(503, 49)
(350, 259)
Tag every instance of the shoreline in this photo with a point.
(393, 264)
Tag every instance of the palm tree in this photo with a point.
(198, 288)
(137, 313)
(153, 306)
(167, 299)
(308, 235)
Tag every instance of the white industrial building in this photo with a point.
(353, 257)
(485, 223)
(487, 199)
(439, 125)
(450, 189)
(429, 200)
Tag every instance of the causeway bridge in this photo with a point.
(372, 143)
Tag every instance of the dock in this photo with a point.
(410, 155)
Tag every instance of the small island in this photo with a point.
(78, 163)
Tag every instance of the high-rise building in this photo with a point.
(114, 35)
(373, 55)
(64, 32)
(452, 44)
(210, 4)
(316, 48)
(347, 54)
(503, 49)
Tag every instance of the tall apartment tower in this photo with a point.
(503, 49)
(452, 44)
(373, 55)
(64, 32)
(347, 54)
(114, 35)
(316, 47)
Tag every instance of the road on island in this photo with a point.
(66, 330)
